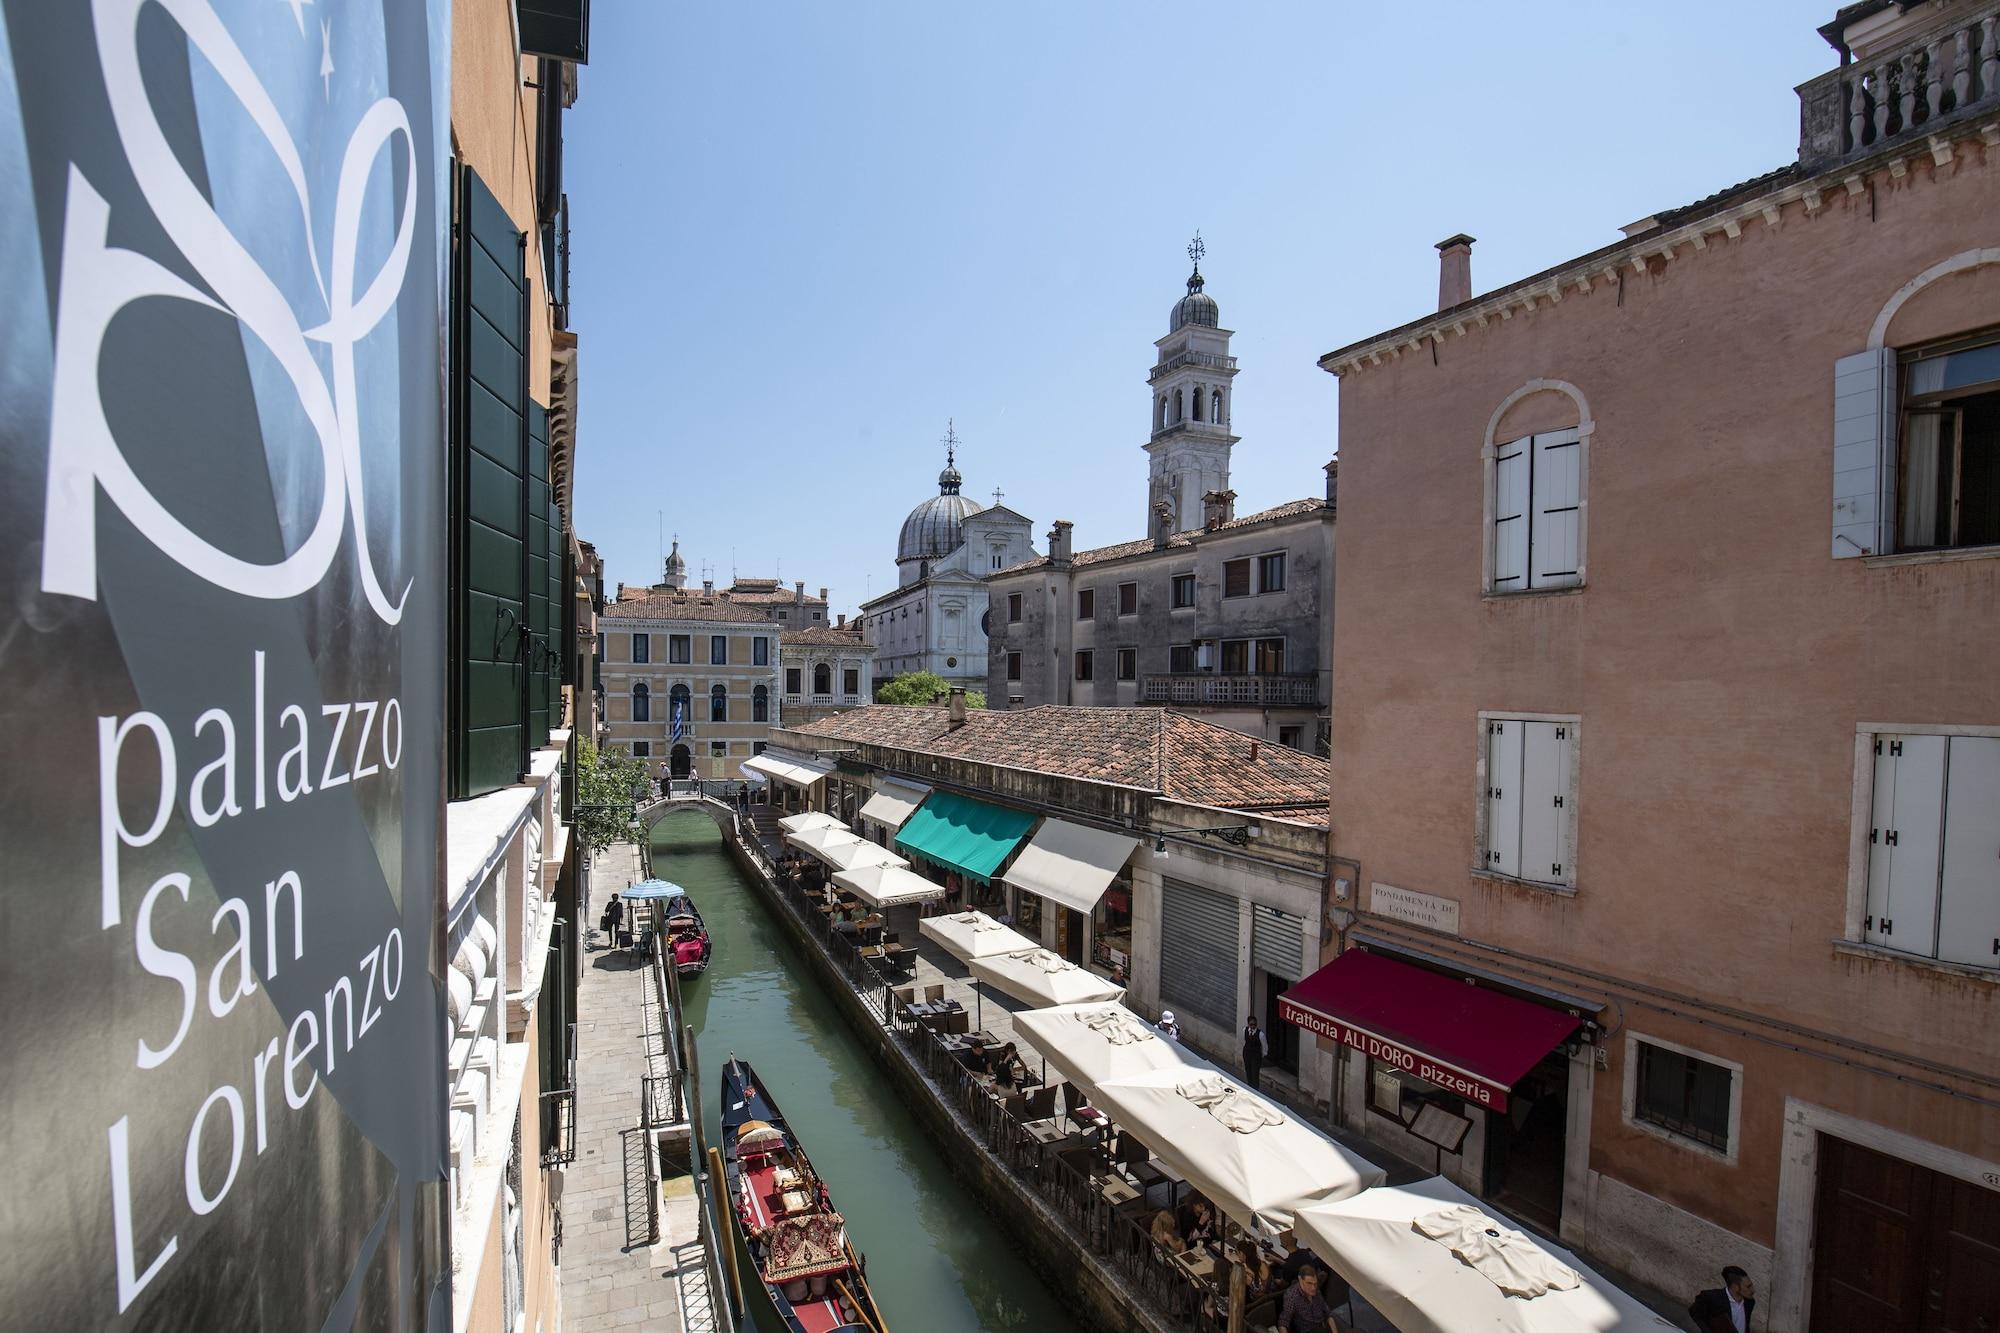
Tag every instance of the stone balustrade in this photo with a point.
(1938, 78)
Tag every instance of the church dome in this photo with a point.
(932, 531)
(1197, 307)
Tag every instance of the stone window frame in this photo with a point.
(1489, 455)
(1628, 1108)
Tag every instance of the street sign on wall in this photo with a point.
(220, 391)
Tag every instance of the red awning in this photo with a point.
(1473, 1041)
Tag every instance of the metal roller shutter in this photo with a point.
(1277, 942)
(1198, 937)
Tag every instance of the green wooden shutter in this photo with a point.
(489, 467)
(542, 640)
(562, 632)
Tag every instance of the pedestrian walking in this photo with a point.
(1255, 1048)
(1726, 1309)
(1167, 1026)
(614, 916)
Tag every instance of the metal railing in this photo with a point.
(1299, 690)
(559, 1127)
(717, 1241)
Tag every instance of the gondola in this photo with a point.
(800, 1254)
(684, 935)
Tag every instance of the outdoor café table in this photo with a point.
(1115, 1191)
(1197, 1264)
(1047, 1131)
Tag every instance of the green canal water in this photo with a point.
(937, 1262)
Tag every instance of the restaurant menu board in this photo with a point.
(220, 405)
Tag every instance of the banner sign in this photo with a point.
(1415, 1063)
(220, 401)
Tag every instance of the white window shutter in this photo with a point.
(1864, 436)
(1969, 917)
(1558, 495)
(1545, 752)
(1503, 797)
(1882, 819)
(1510, 516)
(1915, 840)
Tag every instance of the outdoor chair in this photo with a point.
(933, 994)
(957, 1022)
(1041, 1104)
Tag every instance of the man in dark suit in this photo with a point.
(1726, 1309)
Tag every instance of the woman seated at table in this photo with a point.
(1260, 1279)
(1165, 1233)
(1197, 1221)
(1008, 1071)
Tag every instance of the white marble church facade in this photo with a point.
(936, 619)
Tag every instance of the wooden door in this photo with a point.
(1899, 1248)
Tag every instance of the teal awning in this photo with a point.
(969, 836)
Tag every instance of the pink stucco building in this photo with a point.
(1667, 701)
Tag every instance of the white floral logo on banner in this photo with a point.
(98, 280)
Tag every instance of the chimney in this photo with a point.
(1059, 543)
(799, 591)
(822, 594)
(1217, 508)
(843, 621)
(708, 587)
(1253, 751)
(955, 709)
(1333, 483)
(1163, 525)
(1454, 271)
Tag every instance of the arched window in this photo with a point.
(718, 704)
(1215, 407)
(760, 704)
(642, 703)
(822, 679)
(1177, 405)
(1160, 413)
(1197, 402)
(682, 703)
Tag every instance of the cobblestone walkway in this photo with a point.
(618, 1270)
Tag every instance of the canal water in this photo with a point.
(937, 1262)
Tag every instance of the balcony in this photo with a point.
(1205, 689)
(1191, 358)
(1902, 92)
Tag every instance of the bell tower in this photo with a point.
(1192, 393)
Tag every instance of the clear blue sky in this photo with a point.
(807, 234)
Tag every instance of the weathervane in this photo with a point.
(950, 442)
(1196, 250)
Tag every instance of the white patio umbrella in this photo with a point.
(855, 855)
(1039, 977)
(811, 819)
(1254, 1159)
(818, 840)
(885, 886)
(1100, 1042)
(1381, 1241)
(969, 935)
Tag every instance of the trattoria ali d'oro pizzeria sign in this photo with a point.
(1415, 1063)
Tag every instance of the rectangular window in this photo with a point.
(600, 645)
(850, 681)
(1128, 664)
(1270, 657)
(1537, 494)
(1086, 603)
(1294, 737)
(1128, 599)
(1013, 666)
(642, 647)
(757, 747)
(792, 681)
(1180, 659)
(1084, 667)
(1271, 572)
(718, 650)
(680, 649)
(1016, 701)
(1236, 577)
(1013, 608)
(1682, 1094)
(784, 615)
(1235, 657)
(1530, 814)
(760, 651)
(642, 749)
(1183, 591)
(1948, 466)
(1933, 831)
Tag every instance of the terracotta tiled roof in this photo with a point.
(824, 636)
(745, 592)
(1099, 554)
(695, 609)
(1179, 756)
